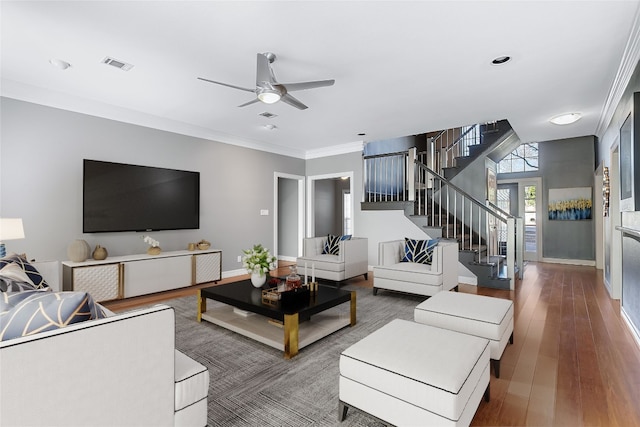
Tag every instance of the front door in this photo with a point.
(522, 198)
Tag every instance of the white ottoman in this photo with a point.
(406, 373)
(191, 390)
(478, 315)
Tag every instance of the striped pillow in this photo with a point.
(419, 251)
(333, 244)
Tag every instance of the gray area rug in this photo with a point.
(253, 385)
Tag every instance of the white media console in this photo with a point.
(132, 275)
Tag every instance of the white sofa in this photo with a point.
(416, 278)
(352, 260)
(122, 370)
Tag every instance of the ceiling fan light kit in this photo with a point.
(268, 90)
(269, 96)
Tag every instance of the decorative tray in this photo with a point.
(276, 294)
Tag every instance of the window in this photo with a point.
(522, 159)
(346, 213)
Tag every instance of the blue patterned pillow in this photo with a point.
(33, 274)
(420, 251)
(31, 312)
(333, 244)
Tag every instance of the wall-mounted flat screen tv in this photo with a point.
(123, 197)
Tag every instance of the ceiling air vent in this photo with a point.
(268, 115)
(118, 64)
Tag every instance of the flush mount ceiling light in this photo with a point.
(565, 119)
(59, 63)
(270, 127)
(501, 60)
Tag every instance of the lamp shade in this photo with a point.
(11, 229)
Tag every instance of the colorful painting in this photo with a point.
(570, 203)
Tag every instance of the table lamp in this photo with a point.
(10, 229)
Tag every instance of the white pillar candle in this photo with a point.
(305, 272)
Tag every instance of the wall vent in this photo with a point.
(118, 64)
(268, 115)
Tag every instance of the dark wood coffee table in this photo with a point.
(288, 329)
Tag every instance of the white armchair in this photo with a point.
(351, 261)
(416, 278)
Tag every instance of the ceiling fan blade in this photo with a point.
(263, 70)
(288, 99)
(253, 101)
(307, 85)
(228, 85)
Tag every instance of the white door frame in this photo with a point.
(537, 181)
(300, 179)
(311, 199)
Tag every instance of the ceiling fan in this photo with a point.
(268, 90)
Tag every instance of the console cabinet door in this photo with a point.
(156, 275)
(207, 268)
(102, 282)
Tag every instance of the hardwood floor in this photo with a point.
(573, 361)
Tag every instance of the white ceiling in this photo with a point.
(401, 68)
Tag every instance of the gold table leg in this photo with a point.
(202, 305)
(291, 325)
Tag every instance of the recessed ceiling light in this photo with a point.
(501, 60)
(270, 127)
(59, 63)
(565, 119)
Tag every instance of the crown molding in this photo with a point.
(335, 150)
(628, 64)
(50, 98)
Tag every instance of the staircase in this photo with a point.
(490, 240)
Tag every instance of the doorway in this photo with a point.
(288, 216)
(326, 196)
(523, 198)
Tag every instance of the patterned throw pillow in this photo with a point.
(333, 244)
(420, 251)
(30, 312)
(14, 279)
(33, 274)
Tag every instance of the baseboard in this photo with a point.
(473, 281)
(585, 262)
(287, 258)
(233, 273)
(630, 325)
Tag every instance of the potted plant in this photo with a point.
(258, 261)
(154, 245)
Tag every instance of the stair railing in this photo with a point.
(450, 144)
(385, 177)
(461, 217)
(403, 177)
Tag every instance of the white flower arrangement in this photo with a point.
(151, 241)
(258, 260)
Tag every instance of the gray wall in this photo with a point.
(41, 181)
(287, 217)
(325, 207)
(565, 163)
(608, 141)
